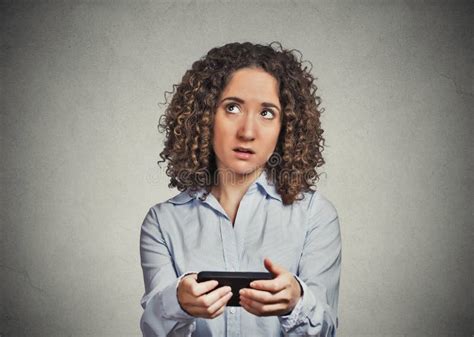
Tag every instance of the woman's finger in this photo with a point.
(219, 312)
(260, 309)
(261, 296)
(201, 288)
(273, 268)
(209, 299)
(219, 304)
(212, 310)
(277, 284)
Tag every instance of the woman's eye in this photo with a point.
(268, 114)
(232, 108)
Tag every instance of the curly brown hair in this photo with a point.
(189, 116)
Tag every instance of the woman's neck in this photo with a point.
(231, 187)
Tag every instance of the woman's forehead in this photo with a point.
(252, 83)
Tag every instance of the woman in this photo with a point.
(243, 141)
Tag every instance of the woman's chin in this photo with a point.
(241, 170)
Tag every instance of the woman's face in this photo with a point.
(247, 122)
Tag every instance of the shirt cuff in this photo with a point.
(169, 302)
(298, 315)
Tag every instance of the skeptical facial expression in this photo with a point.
(247, 121)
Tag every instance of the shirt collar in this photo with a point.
(181, 198)
(266, 186)
(261, 183)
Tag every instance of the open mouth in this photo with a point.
(244, 150)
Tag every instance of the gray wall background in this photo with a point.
(81, 83)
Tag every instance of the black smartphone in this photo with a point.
(234, 279)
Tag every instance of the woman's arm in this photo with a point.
(315, 312)
(171, 304)
(162, 314)
(319, 273)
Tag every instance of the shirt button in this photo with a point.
(232, 310)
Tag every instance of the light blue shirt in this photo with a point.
(186, 234)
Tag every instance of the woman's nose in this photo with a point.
(247, 127)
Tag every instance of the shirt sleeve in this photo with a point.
(162, 316)
(319, 272)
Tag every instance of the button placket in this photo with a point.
(231, 259)
(233, 322)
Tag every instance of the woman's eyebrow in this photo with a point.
(233, 98)
(241, 101)
(270, 105)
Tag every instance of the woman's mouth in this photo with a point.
(243, 153)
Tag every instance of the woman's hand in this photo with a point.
(198, 300)
(275, 297)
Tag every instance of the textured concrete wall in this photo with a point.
(80, 85)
